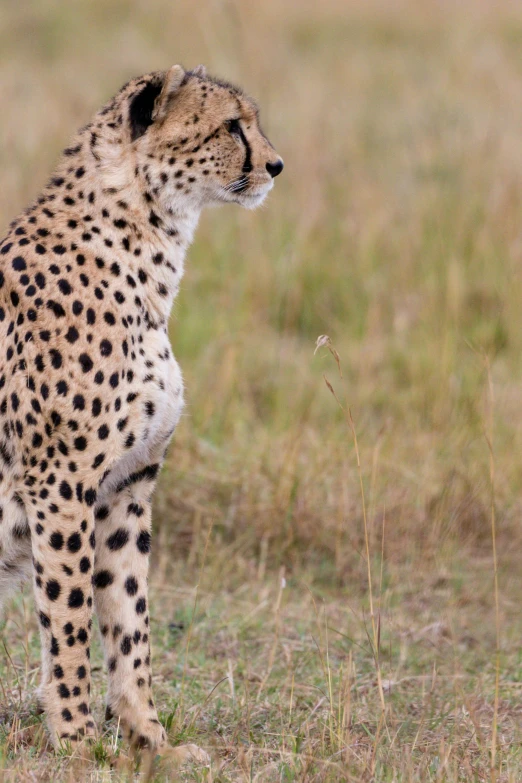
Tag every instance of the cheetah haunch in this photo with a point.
(90, 392)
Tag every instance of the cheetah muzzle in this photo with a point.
(90, 392)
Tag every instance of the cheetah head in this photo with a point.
(197, 139)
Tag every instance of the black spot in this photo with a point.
(65, 490)
(83, 636)
(80, 443)
(85, 565)
(154, 219)
(79, 402)
(56, 540)
(44, 620)
(64, 287)
(103, 579)
(118, 539)
(143, 541)
(141, 606)
(74, 542)
(90, 497)
(56, 308)
(76, 598)
(85, 362)
(53, 589)
(131, 585)
(56, 358)
(105, 348)
(126, 645)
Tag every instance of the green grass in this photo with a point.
(395, 230)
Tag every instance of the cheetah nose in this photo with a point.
(275, 168)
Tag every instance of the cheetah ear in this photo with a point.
(200, 71)
(173, 81)
(141, 107)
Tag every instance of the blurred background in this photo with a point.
(396, 230)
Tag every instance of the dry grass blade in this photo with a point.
(375, 640)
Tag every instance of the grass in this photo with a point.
(395, 230)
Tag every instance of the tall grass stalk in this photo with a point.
(490, 404)
(324, 341)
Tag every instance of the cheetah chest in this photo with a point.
(155, 411)
(161, 392)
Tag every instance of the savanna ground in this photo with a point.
(396, 229)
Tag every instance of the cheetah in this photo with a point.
(90, 392)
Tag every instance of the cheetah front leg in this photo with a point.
(121, 596)
(62, 541)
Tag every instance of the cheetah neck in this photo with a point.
(151, 240)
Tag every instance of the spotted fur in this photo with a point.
(90, 392)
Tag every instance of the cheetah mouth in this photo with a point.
(246, 193)
(253, 196)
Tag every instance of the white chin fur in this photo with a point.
(252, 200)
(247, 199)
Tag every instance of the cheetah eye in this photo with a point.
(233, 127)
